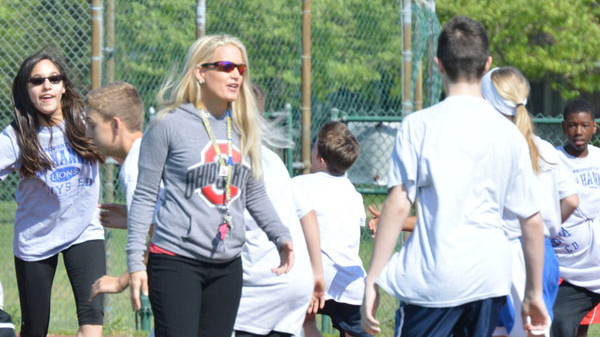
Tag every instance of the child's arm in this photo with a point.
(567, 190)
(110, 285)
(568, 206)
(9, 152)
(532, 241)
(113, 216)
(310, 227)
(409, 224)
(395, 211)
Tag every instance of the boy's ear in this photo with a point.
(439, 65)
(488, 64)
(322, 163)
(563, 124)
(116, 125)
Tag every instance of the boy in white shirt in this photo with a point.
(465, 164)
(576, 245)
(340, 213)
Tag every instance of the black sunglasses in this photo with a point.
(226, 66)
(54, 79)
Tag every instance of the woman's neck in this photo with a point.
(215, 109)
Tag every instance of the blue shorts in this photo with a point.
(345, 317)
(550, 283)
(471, 319)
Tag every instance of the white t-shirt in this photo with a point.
(553, 183)
(128, 172)
(466, 164)
(577, 245)
(56, 209)
(270, 302)
(341, 213)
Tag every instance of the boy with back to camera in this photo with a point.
(341, 214)
(465, 164)
(576, 245)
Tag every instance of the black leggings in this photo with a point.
(84, 262)
(193, 298)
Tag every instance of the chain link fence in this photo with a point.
(356, 77)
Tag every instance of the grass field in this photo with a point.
(119, 318)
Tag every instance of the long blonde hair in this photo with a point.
(182, 87)
(513, 86)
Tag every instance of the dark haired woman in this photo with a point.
(56, 197)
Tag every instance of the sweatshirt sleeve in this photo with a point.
(9, 152)
(263, 212)
(153, 155)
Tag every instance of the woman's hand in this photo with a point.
(139, 282)
(286, 255)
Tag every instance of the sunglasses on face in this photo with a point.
(54, 79)
(225, 66)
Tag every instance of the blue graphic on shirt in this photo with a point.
(69, 172)
(64, 174)
(559, 241)
(588, 177)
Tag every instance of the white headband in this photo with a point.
(504, 106)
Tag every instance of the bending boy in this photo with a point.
(115, 116)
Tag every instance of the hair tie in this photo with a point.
(520, 104)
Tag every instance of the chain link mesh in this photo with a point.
(357, 78)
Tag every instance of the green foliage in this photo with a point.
(556, 41)
(355, 51)
(152, 36)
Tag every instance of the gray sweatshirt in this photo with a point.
(177, 150)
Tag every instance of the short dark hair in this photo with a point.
(579, 105)
(337, 146)
(463, 49)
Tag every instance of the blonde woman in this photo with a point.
(507, 90)
(205, 146)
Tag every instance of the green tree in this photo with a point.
(152, 37)
(554, 40)
(356, 49)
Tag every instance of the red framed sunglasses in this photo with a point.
(225, 66)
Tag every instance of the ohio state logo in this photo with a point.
(203, 178)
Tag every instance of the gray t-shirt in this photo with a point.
(57, 208)
(178, 150)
